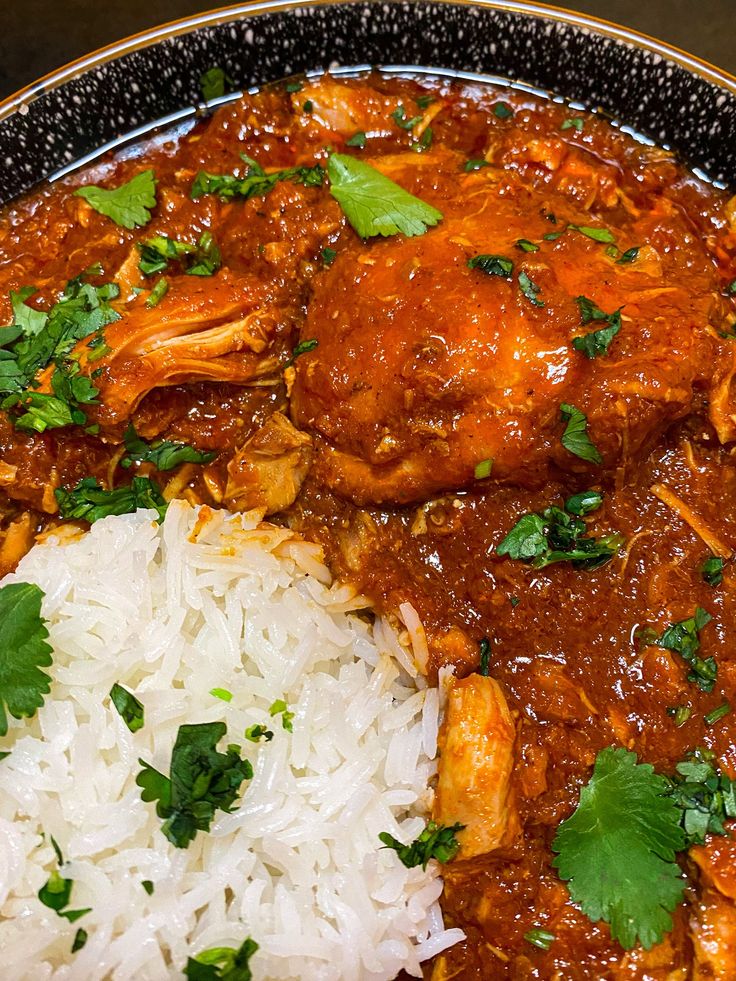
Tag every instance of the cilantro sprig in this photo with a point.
(129, 708)
(129, 205)
(617, 850)
(256, 183)
(164, 454)
(556, 535)
(437, 841)
(24, 652)
(596, 343)
(88, 501)
(222, 963)
(201, 781)
(202, 259)
(373, 203)
(683, 638)
(705, 796)
(575, 437)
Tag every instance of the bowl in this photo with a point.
(152, 79)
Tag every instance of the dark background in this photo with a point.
(37, 36)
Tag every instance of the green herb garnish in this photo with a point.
(492, 265)
(129, 205)
(80, 939)
(705, 796)
(597, 342)
(202, 259)
(630, 255)
(502, 110)
(222, 963)
(279, 707)
(24, 652)
(530, 289)
(436, 841)
(540, 938)
(526, 246)
(471, 165)
(213, 83)
(712, 570)
(485, 657)
(357, 139)
(131, 711)
(597, 234)
(163, 454)
(201, 781)
(401, 119)
(575, 438)
(716, 714)
(158, 292)
(88, 501)
(576, 123)
(617, 850)
(683, 638)
(256, 183)
(255, 733)
(375, 205)
(483, 469)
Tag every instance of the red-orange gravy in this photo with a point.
(425, 422)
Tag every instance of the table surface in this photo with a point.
(37, 36)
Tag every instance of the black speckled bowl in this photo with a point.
(124, 89)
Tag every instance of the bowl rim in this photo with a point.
(253, 8)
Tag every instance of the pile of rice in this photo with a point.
(170, 612)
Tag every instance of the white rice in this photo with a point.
(171, 612)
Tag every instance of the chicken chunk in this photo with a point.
(426, 367)
(476, 764)
(713, 923)
(269, 470)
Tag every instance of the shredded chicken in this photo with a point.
(714, 543)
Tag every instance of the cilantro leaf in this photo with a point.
(712, 570)
(576, 122)
(597, 342)
(492, 265)
(213, 82)
(256, 182)
(222, 963)
(202, 259)
(437, 841)
(41, 411)
(164, 454)
(705, 796)
(683, 638)
(201, 781)
(401, 119)
(596, 234)
(374, 204)
(24, 651)
(617, 850)
(56, 894)
(471, 165)
(502, 110)
(158, 292)
(575, 438)
(630, 255)
(88, 501)
(128, 205)
(255, 733)
(280, 707)
(524, 245)
(357, 139)
(80, 939)
(530, 289)
(131, 711)
(555, 535)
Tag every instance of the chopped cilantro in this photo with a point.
(88, 501)
(424, 142)
(680, 713)
(148, 886)
(158, 292)
(705, 796)
(553, 236)
(308, 106)
(255, 733)
(201, 781)
(485, 657)
(374, 204)
(357, 139)
(630, 255)
(24, 651)
(492, 265)
(555, 535)
(202, 259)
(731, 288)
(256, 182)
(575, 122)
(683, 638)
(540, 938)
(597, 342)
(129, 205)
(164, 454)
(526, 246)
(712, 570)
(437, 841)
(328, 256)
(56, 893)
(471, 165)
(294, 86)
(303, 347)
(222, 693)
(401, 119)
(716, 714)
(617, 850)
(424, 101)
(279, 707)
(214, 83)
(502, 110)
(530, 289)
(483, 469)
(597, 234)
(80, 939)
(131, 711)
(575, 438)
(584, 503)
(222, 963)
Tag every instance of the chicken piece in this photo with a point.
(713, 923)
(476, 763)
(269, 470)
(425, 367)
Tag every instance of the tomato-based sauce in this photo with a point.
(404, 400)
